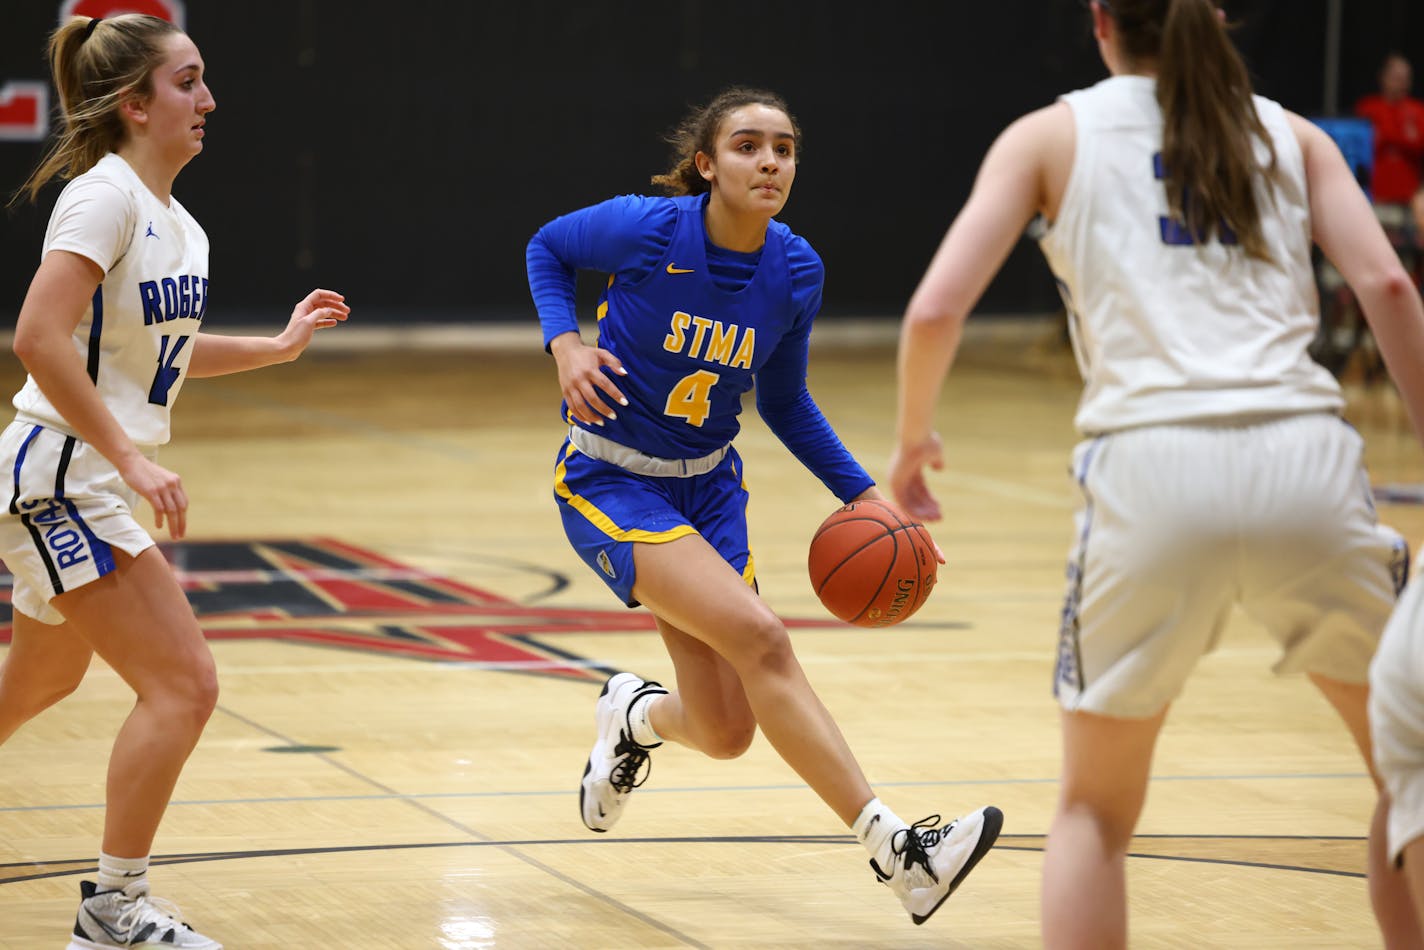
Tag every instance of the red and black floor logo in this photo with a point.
(328, 593)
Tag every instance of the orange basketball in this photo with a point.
(871, 565)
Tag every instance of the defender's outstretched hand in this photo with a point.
(317, 311)
(906, 477)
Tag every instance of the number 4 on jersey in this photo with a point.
(167, 374)
(691, 398)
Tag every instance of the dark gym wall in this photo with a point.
(404, 154)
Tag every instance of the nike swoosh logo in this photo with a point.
(116, 934)
(674, 269)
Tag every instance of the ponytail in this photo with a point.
(1210, 125)
(682, 179)
(95, 64)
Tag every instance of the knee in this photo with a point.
(190, 694)
(729, 740)
(764, 645)
(203, 698)
(1112, 828)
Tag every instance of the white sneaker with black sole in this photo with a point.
(928, 863)
(616, 760)
(130, 918)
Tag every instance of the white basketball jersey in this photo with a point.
(1167, 329)
(136, 336)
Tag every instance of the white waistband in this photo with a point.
(615, 453)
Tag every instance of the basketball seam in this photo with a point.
(894, 556)
(842, 562)
(900, 526)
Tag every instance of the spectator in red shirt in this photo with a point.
(1398, 121)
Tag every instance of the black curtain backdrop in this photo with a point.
(404, 155)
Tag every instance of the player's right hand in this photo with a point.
(163, 490)
(586, 387)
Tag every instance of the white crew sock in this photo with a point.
(875, 828)
(115, 874)
(640, 724)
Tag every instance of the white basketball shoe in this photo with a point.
(615, 764)
(130, 918)
(927, 863)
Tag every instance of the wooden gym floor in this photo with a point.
(409, 655)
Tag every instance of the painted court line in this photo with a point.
(686, 790)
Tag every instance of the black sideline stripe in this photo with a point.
(65, 868)
(96, 329)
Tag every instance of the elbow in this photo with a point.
(537, 246)
(937, 305)
(924, 315)
(1394, 283)
(1385, 289)
(26, 347)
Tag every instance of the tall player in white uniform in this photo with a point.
(1216, 469)
(108, 332)
(1397, 727)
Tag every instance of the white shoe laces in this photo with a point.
(144, 909)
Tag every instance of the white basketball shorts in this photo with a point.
(1180, 523)
(68, 510)
(1397, 716)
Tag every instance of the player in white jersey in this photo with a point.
(1180, 211)
(1397, 728)
(108, 332)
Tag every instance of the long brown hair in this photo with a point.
(697, 132)
(95, 65)
(1210, 126)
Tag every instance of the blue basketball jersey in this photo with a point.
(698, 346)
(695, 326)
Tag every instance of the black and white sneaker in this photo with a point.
(130, 918)
(928, 863)
(615, 764)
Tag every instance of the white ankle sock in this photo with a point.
(115, 874)
(640, 723)
(875, 828)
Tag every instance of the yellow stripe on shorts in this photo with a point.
(604, 523)
(748, 572)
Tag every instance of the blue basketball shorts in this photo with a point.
(607, 509)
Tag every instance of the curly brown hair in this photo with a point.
(697, 132)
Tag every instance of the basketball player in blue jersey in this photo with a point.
(1216, 469)
(707, 295)
(108, 332)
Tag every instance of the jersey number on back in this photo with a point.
(167, 374)
(691, 398)
(1175, 231)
